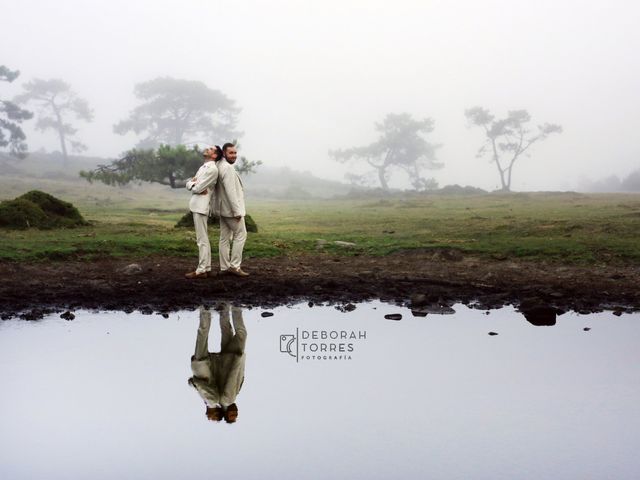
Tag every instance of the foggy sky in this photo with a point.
(311, 76)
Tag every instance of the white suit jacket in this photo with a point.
(219, 378)
(232, 366)
(229, 195)
(205, 179)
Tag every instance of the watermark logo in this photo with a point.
(321, 345)
(288, 344)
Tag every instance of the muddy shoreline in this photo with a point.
(425, 281)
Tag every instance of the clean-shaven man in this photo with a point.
(229, 206)
(218, 377)
(202, 188)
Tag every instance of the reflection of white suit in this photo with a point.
(229, 203)
(202, 191)
(218, 377)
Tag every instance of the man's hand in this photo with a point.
(238, 217)
(204, 192)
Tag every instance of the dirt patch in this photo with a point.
(157, 284)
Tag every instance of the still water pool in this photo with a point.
(320, 393)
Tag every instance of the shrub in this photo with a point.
(39, 210)
(20, 213)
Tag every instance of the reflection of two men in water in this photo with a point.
(218, 376)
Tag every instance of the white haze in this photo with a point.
(311, 76)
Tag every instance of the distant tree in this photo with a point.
(175, 112)
(56, 103)
(400, 145)
(507, 139)
(608, 184)
(243, 165)
(631, 183)
(11, 116)
(360, 180)
(166, 165)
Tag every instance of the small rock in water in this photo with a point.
(438, 309)
(586, 329)
(132, 269)
(419, 313)
(617, 313)
(492, 333)
(266, 314)
(310, 304)
(418, 300)
(393, 316)
(349, 307)
(68, 315)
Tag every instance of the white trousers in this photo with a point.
(202, 239)
(230, 342)
(231, 229)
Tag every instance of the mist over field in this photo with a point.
(315, 77)
(456, 181)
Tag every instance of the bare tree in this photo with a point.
(507, 139)
(401, 145)
(56, 102)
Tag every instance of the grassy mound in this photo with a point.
(37, 209)
(187, 222)
(251, 225)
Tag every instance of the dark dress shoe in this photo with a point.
(238, 271)
(192, 275)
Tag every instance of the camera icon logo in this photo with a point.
(288, 344)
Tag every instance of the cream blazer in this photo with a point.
(205, 179)
(229, 194)
(219, 378)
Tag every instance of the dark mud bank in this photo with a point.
(428, 282)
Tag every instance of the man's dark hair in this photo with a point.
(218, 152)
(227, 145)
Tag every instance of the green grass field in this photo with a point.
(137, 221)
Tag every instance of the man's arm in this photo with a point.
(205, 181)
